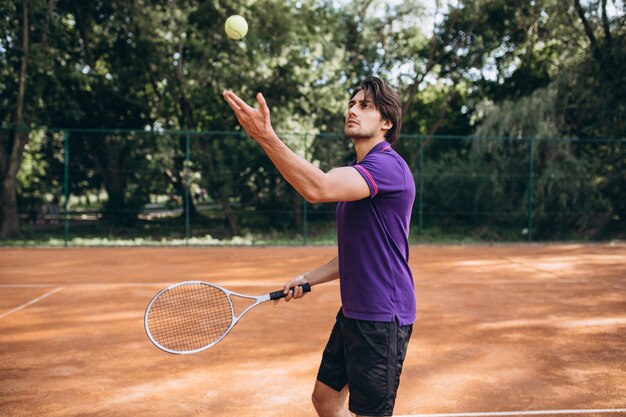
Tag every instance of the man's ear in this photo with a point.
(387, 125)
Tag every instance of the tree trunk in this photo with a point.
(10, 225)
(298, 218)
(116, 210)
(230, 214)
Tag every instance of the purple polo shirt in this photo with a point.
(373, 240)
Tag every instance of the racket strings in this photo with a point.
(189, 317)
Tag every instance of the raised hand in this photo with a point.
(256, 122)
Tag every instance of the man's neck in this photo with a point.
(364, 146)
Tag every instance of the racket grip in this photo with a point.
(306, 287)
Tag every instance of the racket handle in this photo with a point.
(306, 287)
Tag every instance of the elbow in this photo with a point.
(317, 191)
(315, 196)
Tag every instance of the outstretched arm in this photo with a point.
(316, 186)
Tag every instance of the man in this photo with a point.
(367, 346)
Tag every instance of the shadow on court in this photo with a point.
(499, 328)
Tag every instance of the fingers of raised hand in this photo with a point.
(230, 101)
(263, 105)
(235, 102)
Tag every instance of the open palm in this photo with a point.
(255, 122)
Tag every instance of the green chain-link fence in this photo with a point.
(99, 186)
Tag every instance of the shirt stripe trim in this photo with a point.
(370, 178)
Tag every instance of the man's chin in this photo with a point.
(351, 132)
(355, 136)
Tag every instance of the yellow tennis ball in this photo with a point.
(236, 27)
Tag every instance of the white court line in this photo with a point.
(111, 284)
(33, 301)
(520, 413)
(223, 283)
(28, 285)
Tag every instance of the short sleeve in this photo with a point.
(382, 172)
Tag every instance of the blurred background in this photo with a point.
(114, 130)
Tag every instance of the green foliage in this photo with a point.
(557, 77)
(514, 69)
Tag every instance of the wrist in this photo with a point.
(270, 141)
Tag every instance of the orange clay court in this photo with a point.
(501, 330)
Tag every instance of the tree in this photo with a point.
(578, 95)
(10, 161)
(25, 48)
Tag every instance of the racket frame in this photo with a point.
(234, 319)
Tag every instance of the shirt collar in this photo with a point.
(379, 147)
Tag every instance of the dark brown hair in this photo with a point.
(386, 101)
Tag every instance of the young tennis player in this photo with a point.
(366, 349)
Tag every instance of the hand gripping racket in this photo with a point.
(192, 316)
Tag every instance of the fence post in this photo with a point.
(530, 188)
(66, 185)
(421, 188)
(305, 226)
(305, 205)
(187, 195)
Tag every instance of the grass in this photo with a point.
(211, 229)
(207, 232)
(170, 231)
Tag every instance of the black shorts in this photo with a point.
(368, 357)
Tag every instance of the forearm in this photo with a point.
(316, 186)
(325, 273)
(308, 180)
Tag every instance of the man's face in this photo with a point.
(363, 120)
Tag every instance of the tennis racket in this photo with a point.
(192, 316)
